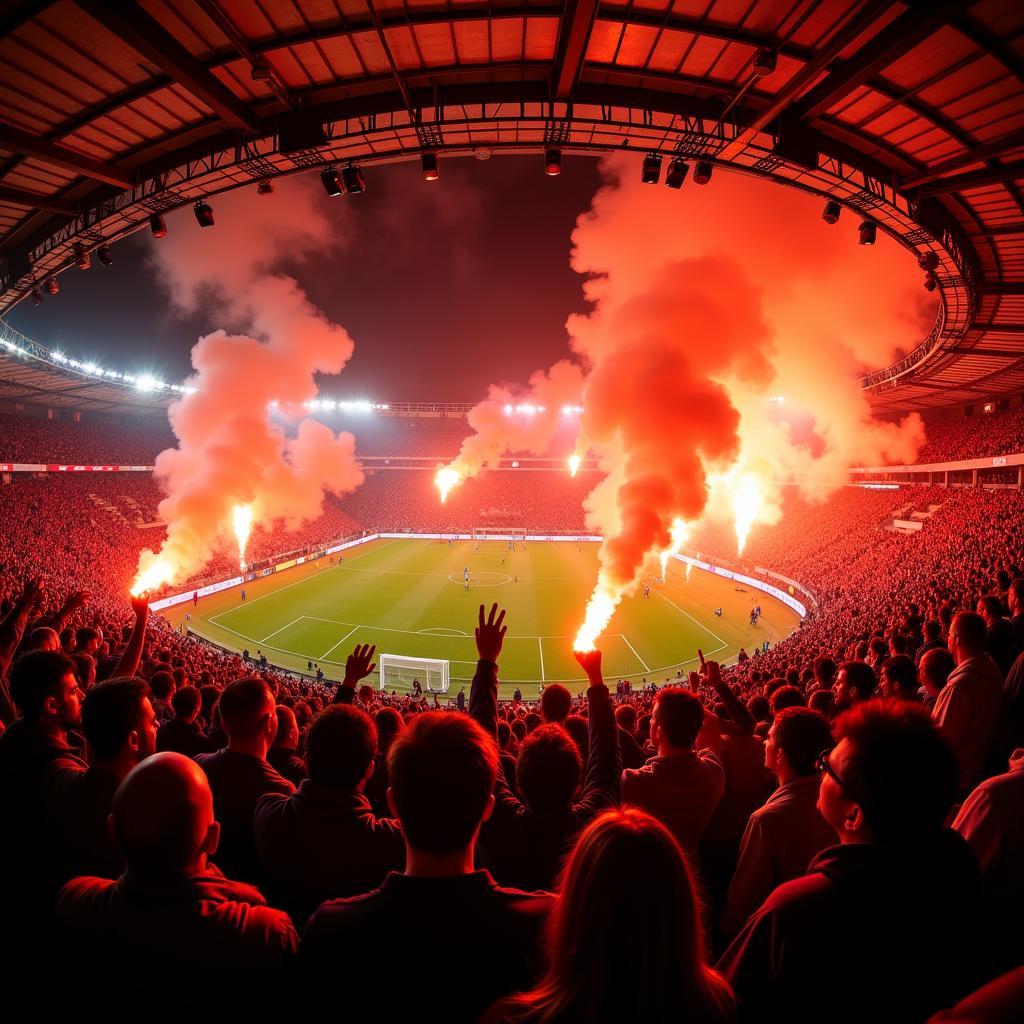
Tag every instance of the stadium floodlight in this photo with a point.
(867, 232)
(677, 172)
(352, 180)
(52, 285)
(82, 258)
(831, 212)
(552, 161)
(928, 260)
(650, 173)
(58, 357)
(146, 383)
(103, 255)
(158, 225)
(931, 282)
(702, 172)
(397, 672)
(431, 170)
(331, 182)
(204, 213)
(765, 62)
(265, 188)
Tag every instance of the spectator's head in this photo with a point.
(794, 741)
(932, 630)
(186, 703)
(504, 734)
(1015, 596)
(249, 716)
(85, 669)
(555, 703)
(549, 768)
(576, 726)
(990, 608)
(162, 818)
(821, 701)
(891, 778)
(966, 636)
(855, 682)
(42, 638)
(88, 639)
(787, 697)
(824, 673)
(760, 708)
(660, 972)
(442, 771)
(287, 737)
(934, 669)
(340, 747)
(389, 724)
(161, 685)
(45, 690)
(678, 717)
(625, 717)
(899, 678)
(119, 722)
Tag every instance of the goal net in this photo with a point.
(398, 672)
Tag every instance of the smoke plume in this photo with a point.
(231, 450)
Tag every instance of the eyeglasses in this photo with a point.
(823, 765)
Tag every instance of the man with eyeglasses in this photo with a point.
(884, 924)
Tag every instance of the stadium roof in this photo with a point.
(909, 114)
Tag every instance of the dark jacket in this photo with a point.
(184, 738)
(287, 764)
(868, 927)
(215, 942)
(423, 949)
(526, 848)
(80, 809)
(322, 843)
(238, 781)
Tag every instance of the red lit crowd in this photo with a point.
(829, 829)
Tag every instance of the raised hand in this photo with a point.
(76, 600)
(490, 633)
(359, 664)
(140, 604)
(590, 662)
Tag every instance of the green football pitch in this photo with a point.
(408, 597)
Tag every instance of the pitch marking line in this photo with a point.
(281, 630)
(306, 579)
(691, 618)
(540, 649)
(635, 655)
(338, 644)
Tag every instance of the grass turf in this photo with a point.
(408, 597)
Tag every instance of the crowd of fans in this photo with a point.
(973, 437)
(35, 440)
(832, 827)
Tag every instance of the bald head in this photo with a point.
(43, 638)
(162, 817)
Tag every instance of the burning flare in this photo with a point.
(680, 535)
(157, 572)
(600, 608)
(445, 479)
(241, 516)
(574, 464)
(747, 502)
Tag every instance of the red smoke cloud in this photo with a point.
(229, 449)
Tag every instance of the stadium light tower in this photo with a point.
(552, 162)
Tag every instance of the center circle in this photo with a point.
(482, 579)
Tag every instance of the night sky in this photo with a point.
(445, 287)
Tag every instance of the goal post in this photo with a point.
(397, 672)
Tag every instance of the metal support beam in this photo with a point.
(1002, 288)
(32, 145)
(975, 179)
(574, 30)
(898, 38)
(142, 32)
(35, 201)
(997, 149)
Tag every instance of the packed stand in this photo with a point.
(973, 437)
(34, 440)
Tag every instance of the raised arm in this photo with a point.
(12, 629)
(128, 664)
(358, 665)
(603, 781)
(483, 694)
(741, 721)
